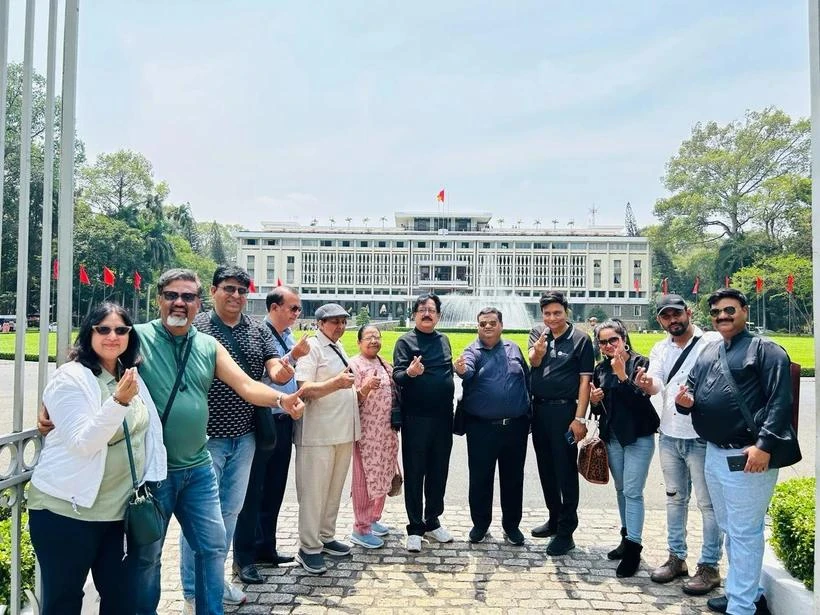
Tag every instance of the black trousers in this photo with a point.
(426, 443)
(256, 525)
(67, 549)
(489, 443)
(557, 462)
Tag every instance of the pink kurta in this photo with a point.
(379, 444)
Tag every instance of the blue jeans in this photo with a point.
(630, 466)
(232, 459)
(740, 500)
(682, 462)
(192, 496)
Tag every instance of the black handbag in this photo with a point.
(786, 452)
(459, 418)
(144, 521)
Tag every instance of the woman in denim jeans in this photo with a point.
(628, 423)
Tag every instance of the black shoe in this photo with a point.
(273, 559)
(719, 604)
(560, 545)
(248, 574)
(631, 560)
(618, 552)
(514, 537)
(545, 530)
(476, 535)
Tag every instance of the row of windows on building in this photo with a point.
(612, 246)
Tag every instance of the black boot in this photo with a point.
(618, 552)
(630, 561)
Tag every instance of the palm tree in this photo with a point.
(537, 223)
(501, 223)
(332, 222)
(365, 220)
(571, 225)
(348, 220)
(383, 219)
(314, 222)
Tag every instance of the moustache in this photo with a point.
(719, 320)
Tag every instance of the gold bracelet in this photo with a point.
(114, 397)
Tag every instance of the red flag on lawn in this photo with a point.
(252, 287)
(440, 196)
(758, 284)
(55, 269)
(727, 282)
(696, 287)
(108, 276)
(279, 281)
(137, 281)
(84, 276)
(665, 286)
(790, 284)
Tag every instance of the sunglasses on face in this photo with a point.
(295, 309)
(609, 342)
(170, 295)
(729, 309)
(106, 330)
(230, 289)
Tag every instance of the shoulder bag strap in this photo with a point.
(227, 332)
(339, 354)
(180, 372)
(744, 409)
(278, 337)
(682, 358)
(130, 454)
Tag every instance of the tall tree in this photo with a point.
(720, 173)
(216, 249)
(120, 185)
(630, 224)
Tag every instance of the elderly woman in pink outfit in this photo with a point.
(375, 455)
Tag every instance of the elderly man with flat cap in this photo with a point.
(324, 438)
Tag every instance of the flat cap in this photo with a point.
(331, 310)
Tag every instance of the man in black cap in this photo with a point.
(682, 453)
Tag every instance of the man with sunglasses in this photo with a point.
(682, 453)
(231, 438)
(738, 375)
(180, 366)
(254, 541)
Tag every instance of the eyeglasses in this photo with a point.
(372, 338)
(729, 309)
(170, 295)
(105, 330)
(488, 324)
(295, 309)
(230, 289)
(609, 342)
(427, 310)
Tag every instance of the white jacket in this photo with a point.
(72, 462)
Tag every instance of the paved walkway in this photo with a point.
(491, 577)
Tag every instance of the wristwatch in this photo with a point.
(279, 401)
(581, 420)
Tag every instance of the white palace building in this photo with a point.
(468, 259)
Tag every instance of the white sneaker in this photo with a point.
(233, 595)
(440, 534)
(413, 543)
(188, 607)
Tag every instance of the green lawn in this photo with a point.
(800, 349)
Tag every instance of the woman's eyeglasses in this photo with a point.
(609, 342)
(104, 330)
(170, 295)
(729, 309)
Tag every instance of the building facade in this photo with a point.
(454, 255)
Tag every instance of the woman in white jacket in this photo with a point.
(82, 483)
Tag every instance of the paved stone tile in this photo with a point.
(490, 578)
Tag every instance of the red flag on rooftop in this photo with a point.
(55, 269)
(279, 281)
(790, 283)
(696, 287)
(137, 281)
(84, 276)
(758, 284)
(440, 196)
(108, 276)
(665, 286)
(252, 287)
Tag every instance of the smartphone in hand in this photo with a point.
(570, 437)
(737, 463)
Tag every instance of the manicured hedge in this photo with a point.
(26, 559)
(792, 513)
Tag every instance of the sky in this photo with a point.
(289, 111)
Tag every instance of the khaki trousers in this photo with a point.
(320, 477)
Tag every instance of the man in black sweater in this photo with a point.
(423, 369)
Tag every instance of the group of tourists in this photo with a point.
(204, 407)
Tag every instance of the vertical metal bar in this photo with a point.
(814, 70)
(48, 201)
(4, 57)
(65, 208)
(22, 293)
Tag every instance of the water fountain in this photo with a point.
(460, 310)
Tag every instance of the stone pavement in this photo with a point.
(459, 577)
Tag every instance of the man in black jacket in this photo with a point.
(737, 467)
(423, 368)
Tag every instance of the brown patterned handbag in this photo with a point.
(593, 463)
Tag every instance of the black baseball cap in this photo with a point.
(675, 302)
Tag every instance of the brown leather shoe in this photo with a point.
(673, 568)
(705, 579)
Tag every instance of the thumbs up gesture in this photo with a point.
(460, 365)
(345, 378)
(416, 367)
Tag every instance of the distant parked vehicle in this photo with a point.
(8, 323)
